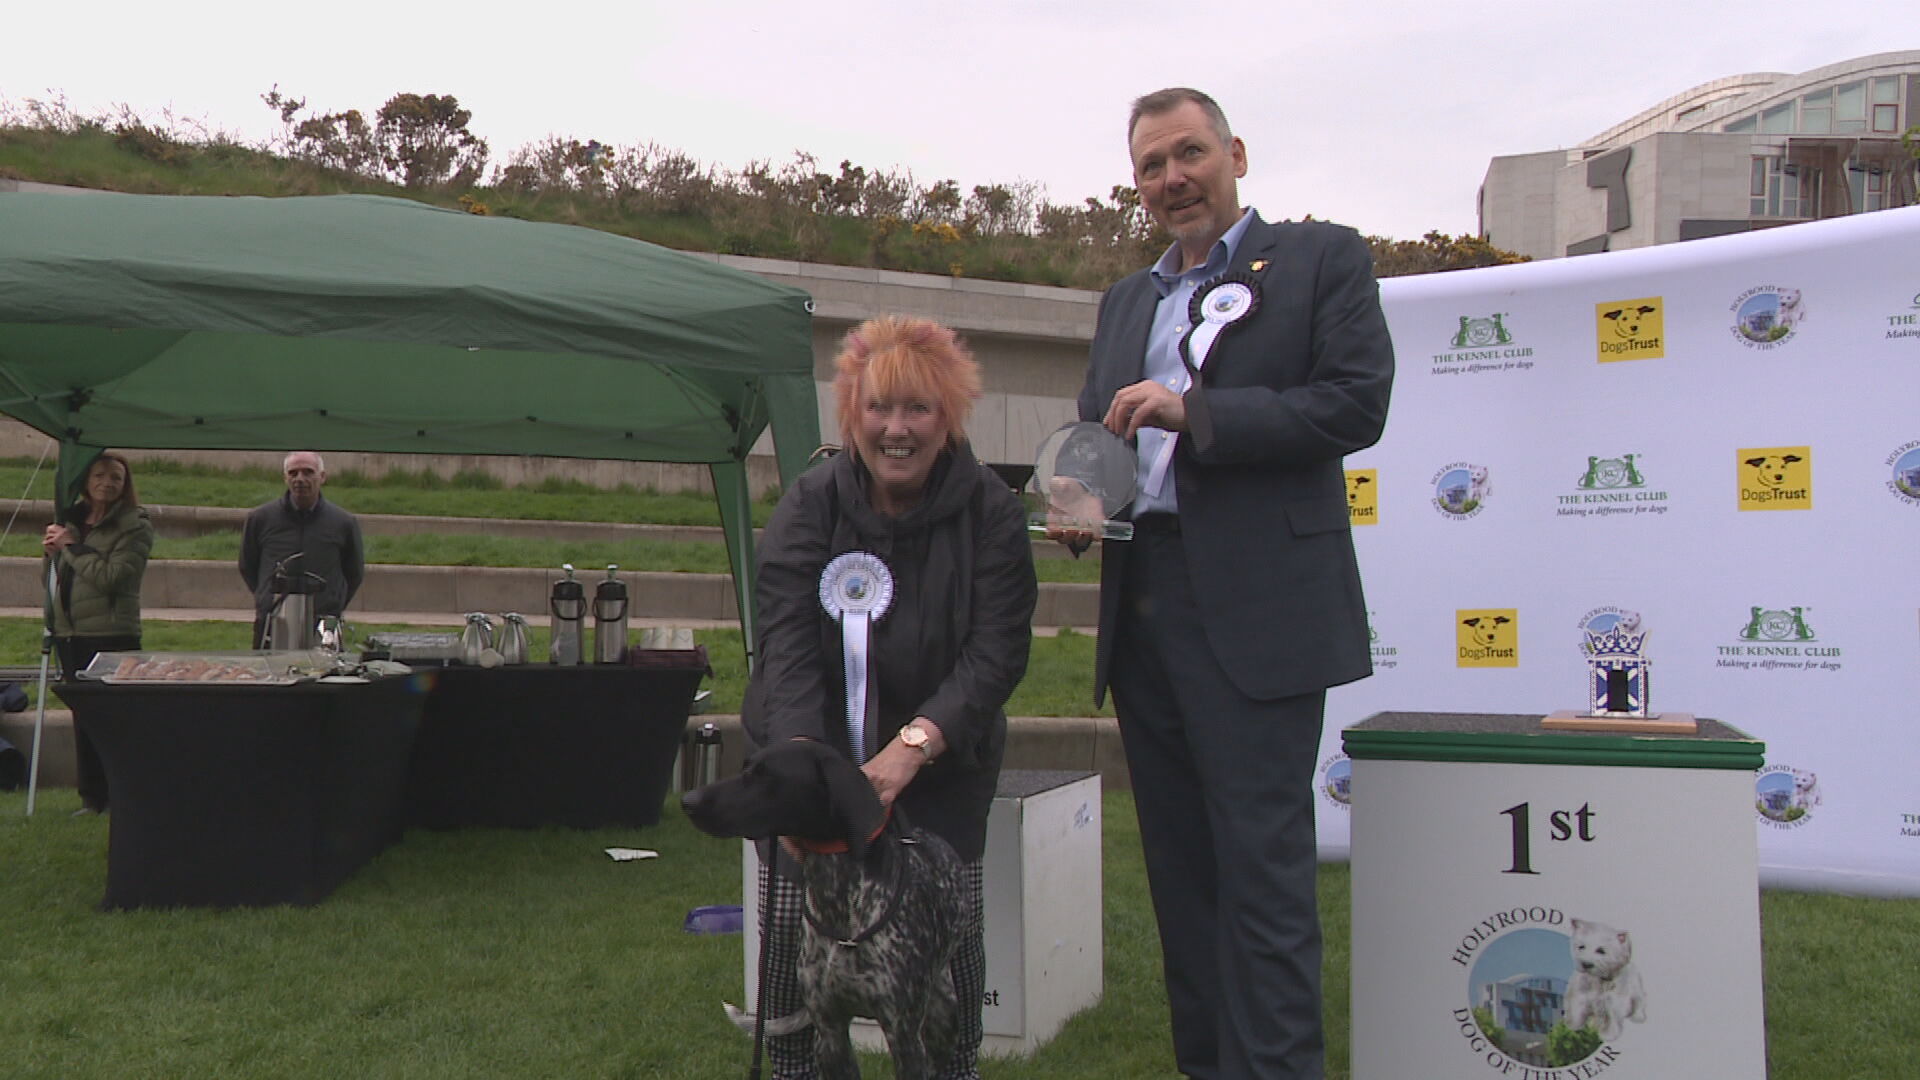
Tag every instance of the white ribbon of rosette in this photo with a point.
(856, 589)
(1215, 308)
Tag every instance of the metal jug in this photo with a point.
(477, 638)
(290, 622)
(610, 619)
(513, 638)
(568, 606)
(330, 634)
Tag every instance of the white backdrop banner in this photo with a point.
(1714, 443)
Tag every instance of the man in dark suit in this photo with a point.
(1237, 603)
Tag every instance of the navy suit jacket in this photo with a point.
(1289, 391)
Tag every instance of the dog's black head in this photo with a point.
(797, 788)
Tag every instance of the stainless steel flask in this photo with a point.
(513, 638)
(610, 619)
(568, 606)
(476, 638)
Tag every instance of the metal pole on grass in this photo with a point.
(40, 716)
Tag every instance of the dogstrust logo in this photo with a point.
(1487, 637)
(1775, 477)
(1549, 996)
(1905, 324)
(1603, 620)
(1905, 481)
(1363, 496)
(1766, 317)
(1481, 344)
(1611, 487)
(1460, 490)
(1785, 797)
(1778, 639)
(1631, 329)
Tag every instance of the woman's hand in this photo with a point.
(895, 766)
(57, 537)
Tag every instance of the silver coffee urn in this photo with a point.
(610, 619)
(568, 606)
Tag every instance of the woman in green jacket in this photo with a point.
(100, 554)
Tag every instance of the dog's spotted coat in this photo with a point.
(883, 917)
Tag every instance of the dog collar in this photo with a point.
(839, 847)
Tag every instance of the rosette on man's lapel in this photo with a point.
(1216, 305)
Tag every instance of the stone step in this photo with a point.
(180, 522)
(695, 598)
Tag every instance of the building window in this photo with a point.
(1850, 107)
(1783, 190)
(1777, 120)
(1886, 105)
(1868, 186)
(1742, 126)
(1816, 112)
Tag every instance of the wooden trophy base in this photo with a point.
(1662, 724)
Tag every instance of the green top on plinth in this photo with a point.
(1504, 738)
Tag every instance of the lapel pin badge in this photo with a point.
(1257, 265)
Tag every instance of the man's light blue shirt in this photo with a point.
(1163, 364)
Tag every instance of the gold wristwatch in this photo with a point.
(917, 737)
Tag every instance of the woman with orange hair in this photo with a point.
(906, 503)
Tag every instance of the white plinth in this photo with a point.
(1041, 877)
(1481, 888)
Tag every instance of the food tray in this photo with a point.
(200, 668)
(413, 646)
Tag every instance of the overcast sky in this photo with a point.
(1382, 114)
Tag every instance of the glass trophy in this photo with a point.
(1083, 476)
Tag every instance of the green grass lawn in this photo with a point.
(505, 954)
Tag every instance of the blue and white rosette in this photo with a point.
(1215, 306)
(856, 589)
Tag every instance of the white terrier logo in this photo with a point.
(1605, 991)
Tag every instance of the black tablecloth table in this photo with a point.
(247, 795)
(586, 746)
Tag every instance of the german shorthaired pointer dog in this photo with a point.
(884, 904)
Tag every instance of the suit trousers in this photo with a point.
(1223, 785)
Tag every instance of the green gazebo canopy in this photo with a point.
(364, 323)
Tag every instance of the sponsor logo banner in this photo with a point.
(1786, 797)
(1775, 477)
(1481, 344)
(1461, 490)
(1611, 487)
(1363, 496)
(1487, 637)
(1630, 329)
(1766, 317)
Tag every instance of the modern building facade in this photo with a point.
(1738, 153)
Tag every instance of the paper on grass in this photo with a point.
(628, 854)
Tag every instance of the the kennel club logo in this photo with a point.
(1487, 637)
(1775, 477)
(1905, 324)
(1461, 489)
(1767, 316)
(1482, 343)
(1386, 655)
(1363, 496)
(1602, 621)
(1905, 481)
(1785, 797)
(1779, 638)
(1547, 991)
(1610, 487)
(1631, 329)
(1334, 781)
